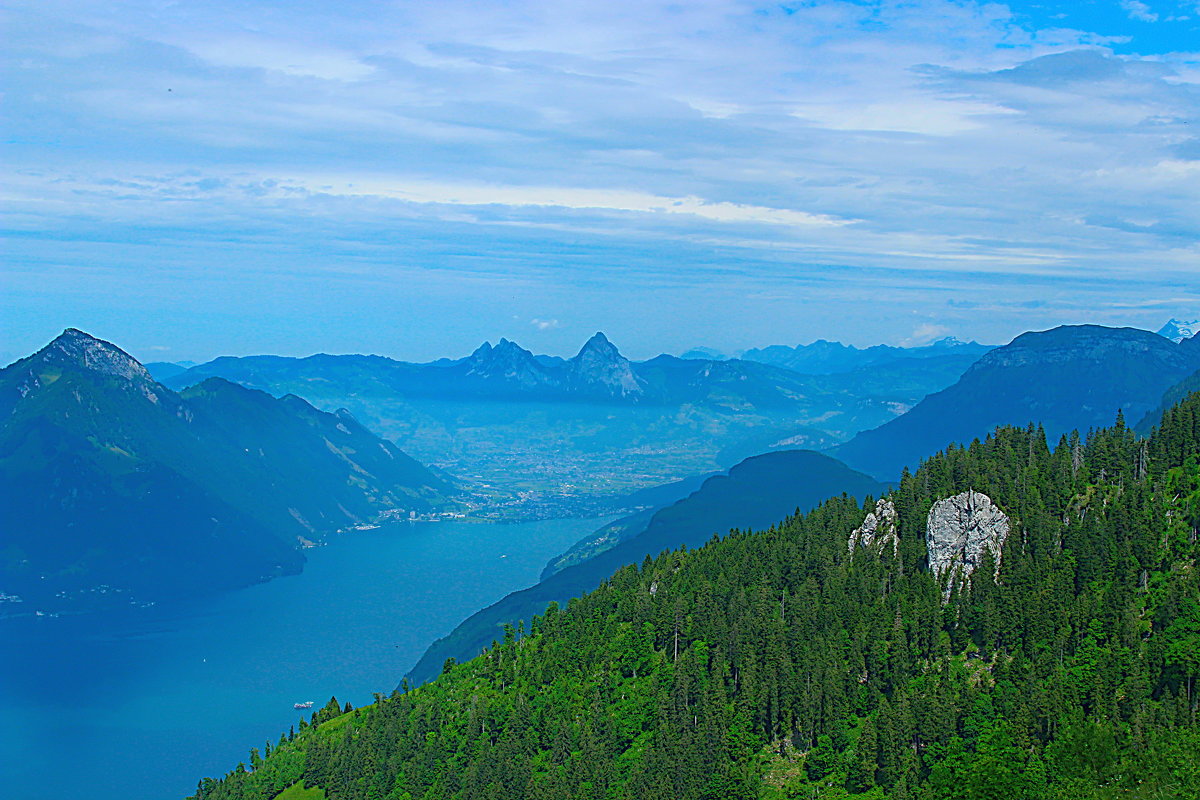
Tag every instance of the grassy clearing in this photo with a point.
(298, 792)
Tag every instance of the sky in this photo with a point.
(192, 179)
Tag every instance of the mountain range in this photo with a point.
(507, 371)
(596, 424)
(830, 358)
(112, 484)
(1071, 378)
(826, 357)
(229, 478)
(823, 357)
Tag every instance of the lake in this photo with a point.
(141, 705)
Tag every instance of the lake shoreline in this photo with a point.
(195, 684)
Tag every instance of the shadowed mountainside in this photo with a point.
(109, 478)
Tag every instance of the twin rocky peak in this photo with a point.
(598, 369)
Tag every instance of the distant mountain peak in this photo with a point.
(599, 343)
(703, 354)
(1177, 329)
(82, 350)
(600, 365)
(948, 341)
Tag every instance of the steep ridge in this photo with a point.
(648, 501)
(1071, 377)
(508, 365)
(756, 493)
(108, 478)
(1170, 399)
(783, 664)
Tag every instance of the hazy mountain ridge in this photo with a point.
(597, 373)
(648, 502)
(109, 478)
(823, 357)
(596, 423)
(1067, 378)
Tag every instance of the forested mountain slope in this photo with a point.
(786, 663)
(755, 493)
(1171, 398)
(110, 481)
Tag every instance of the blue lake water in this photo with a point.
(139, 706)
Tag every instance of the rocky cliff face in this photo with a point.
(879, 530)
(72, 352)
(959, 531)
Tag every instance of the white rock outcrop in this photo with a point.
(959, 531)
(879, 529)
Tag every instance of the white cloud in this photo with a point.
(544, 324)
(924, 334)
(1139, 11)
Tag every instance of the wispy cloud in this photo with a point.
(801, 156)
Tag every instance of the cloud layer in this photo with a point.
(416, 176)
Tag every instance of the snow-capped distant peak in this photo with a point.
(1177, 329)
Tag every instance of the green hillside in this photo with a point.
(754, 494)
(785, 664)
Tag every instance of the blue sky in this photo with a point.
(410, 178)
